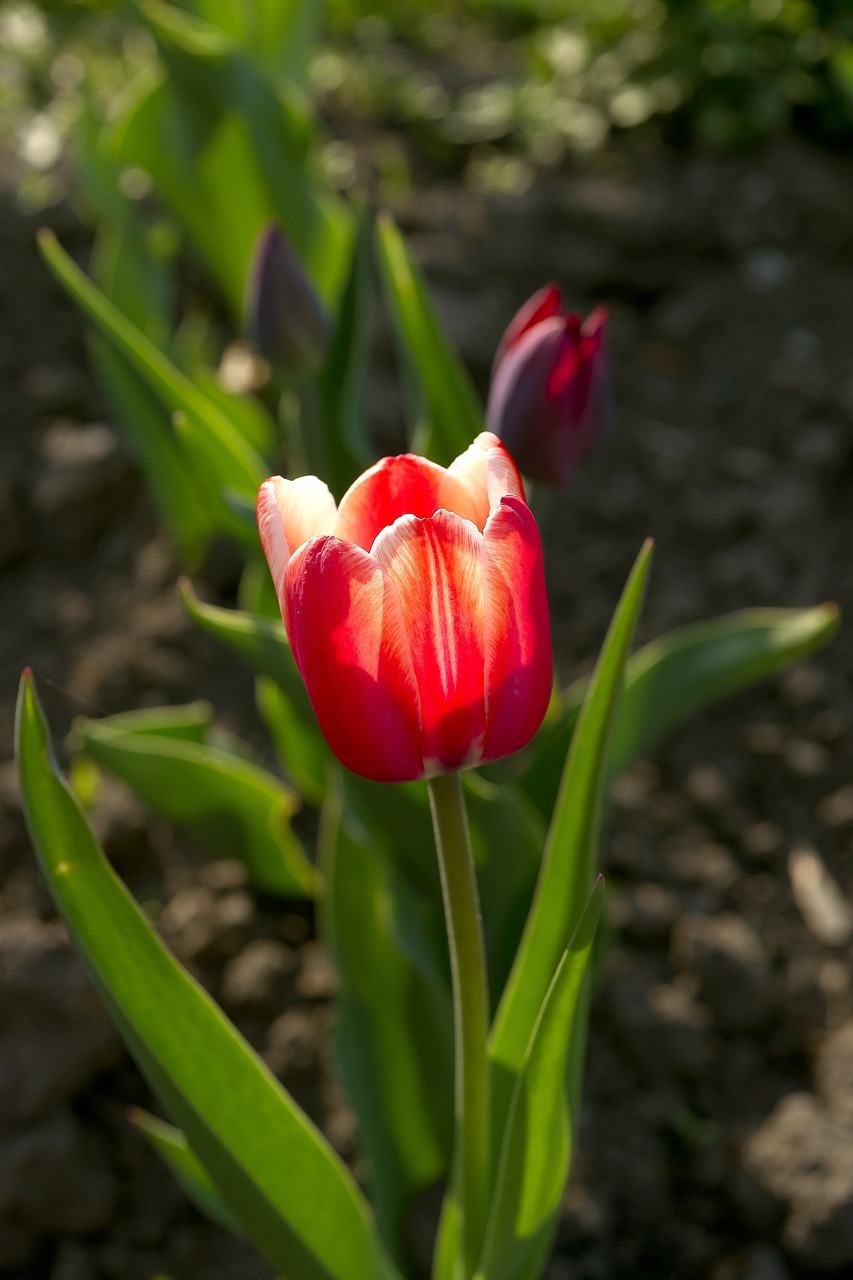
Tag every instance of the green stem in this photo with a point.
(470, 1009)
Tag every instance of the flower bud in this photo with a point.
(286, 322)
(549, 400)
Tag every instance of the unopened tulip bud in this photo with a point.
(286, 322)
(549, 400)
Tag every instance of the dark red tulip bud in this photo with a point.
(286, 322)
(549, 401)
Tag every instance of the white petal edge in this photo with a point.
(290, 512)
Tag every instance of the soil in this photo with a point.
(717, 1138)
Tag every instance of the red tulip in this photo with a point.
(416, 610)
(549, 400)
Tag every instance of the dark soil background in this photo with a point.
(718, 1132)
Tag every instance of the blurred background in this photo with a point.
(687, 164)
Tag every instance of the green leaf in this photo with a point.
(542, 1120)
(673, 678)
(171, 1145)
(259, 640)
(208, 437)
(454, 413)
(147, 427)
(393, 1025)
(281, 33)
(569, 863)
(229, 803)
(244, 135)
(502, 818)
(269, 1164)
(299, 744)
(188, 723)
(223, 202)
(342, 382)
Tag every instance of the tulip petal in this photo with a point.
(517, 650)
(535, 424)
(394, 487)
(436, 566)
(484, 472)
(289, 513)
(346, 628)
(544, 304)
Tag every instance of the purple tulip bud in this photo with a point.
(549, 400)
(286, 322)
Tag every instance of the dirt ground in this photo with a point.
(717, 1140)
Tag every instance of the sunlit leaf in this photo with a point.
(269, 1164)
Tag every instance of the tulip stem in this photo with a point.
(470, 1009)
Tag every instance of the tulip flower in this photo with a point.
(416, 610)
(549, 400)
(285, 319)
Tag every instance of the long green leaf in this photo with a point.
(269, 1164)
(299, 744)
(221, 447)
(259, 640)
(568, 867)
(393, 1025)
(453, 409)
(342, 382)
(542, 1120)
(673, 678)
(173, 1148)
(228, 802)
(237, 129)
(147, 426)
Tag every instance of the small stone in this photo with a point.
(733, 973)
(317, 978)
(644, 913)
(836, 810)
(808, 759)
(258, 977)
(81, 484)
(799, 1164)
(708, 864)
(205, 927)
(826, 911)
(801, 684)
(294, 1046)
(708, 786)
(762, 839)
(765, 739)
(834, 1073)
(224, 874)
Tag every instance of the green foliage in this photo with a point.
(230, 803)
(271, 1167)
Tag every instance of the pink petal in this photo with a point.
(517, 647)
(483, 474)
(394, 487)
(289, 513)
(346, 629)
(436, 566)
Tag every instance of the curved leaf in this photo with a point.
(269, 1164)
